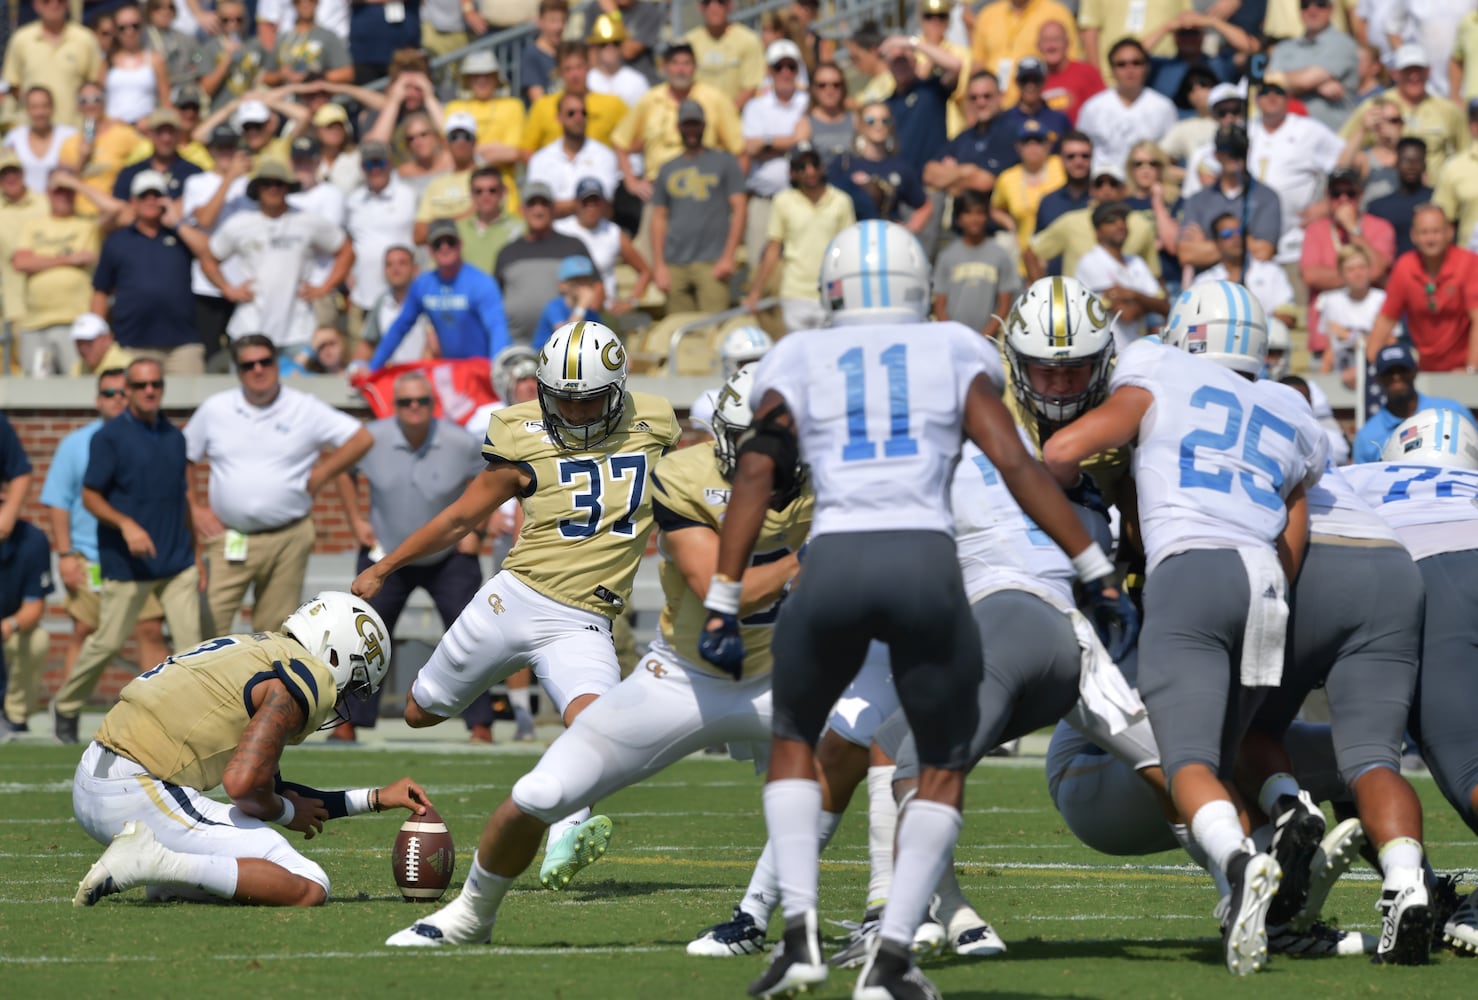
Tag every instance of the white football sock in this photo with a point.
(927, 832)
(882, 826)
(216, 875)
(1273, 789)
(763, 893)
(793, 817)
(484, 890)
(955, 911)
(558, 828)
(520, 699)
(1218, 877)
(1401, 861)
(1217, 829)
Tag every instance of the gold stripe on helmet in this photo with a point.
(1060, 333)
(572, 353)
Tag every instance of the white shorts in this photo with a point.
(868, 700)
(109, 790)
(509, 626)
(658, 715)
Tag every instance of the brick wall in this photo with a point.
(40, 432)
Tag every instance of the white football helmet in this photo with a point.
(1058, 323)
(581, 362)
(348, 635)
(732, 415)
(742, 345)
(1280, 342)
(875, 272)
(511, 366)
(1220, 321)
(1433, 437)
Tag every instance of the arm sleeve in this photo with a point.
(101, 462)
(409, 313)
(64, 479)
(13, 459)
(335, 802)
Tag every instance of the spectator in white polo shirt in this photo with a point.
(1129, 111)
(208, 200)
(325, 201)
(573, 156)
(1294, 155)
(276, 248)
(768, 124)
(380, 214)
(607, 242)
(264, 443)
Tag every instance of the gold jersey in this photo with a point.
(691, 490)
(183, 720)
(587, 514)
(1107, 469)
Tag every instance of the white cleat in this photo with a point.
(1461, 929)
(454, 923)
(930, 940)
(980, 941)
(133, 858)
(1336, 853)
(1254, 880)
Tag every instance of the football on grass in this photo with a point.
(423, 858)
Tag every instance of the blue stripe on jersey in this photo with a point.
(865, 277)
(182, 799)
(883, 263)
(265, 675)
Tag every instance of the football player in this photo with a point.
(1221, 469)
(221, 714)
(741, 346)
(674, 703)
(874, 405)
(1425, 487)
(578, 459)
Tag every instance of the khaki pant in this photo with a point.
(187, 359)
(83, 607)
(441, 43)
(756, 232)
(275, 567)
(695, 289)
(118, 612)
(26, 655)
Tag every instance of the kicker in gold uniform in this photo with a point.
(221, 714)
(674, 703)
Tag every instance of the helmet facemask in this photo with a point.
(1060, 408)
(581, 436)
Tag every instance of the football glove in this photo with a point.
(723, 646)
(1115, 619)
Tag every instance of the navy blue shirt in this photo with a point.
(373, 40)
(992, 148)
(140, 469)
(919, 128)
(1055, 122)
(178, 171)
(25, 568)
(1397, 208)
(536, 68)
(149, 278)
(1167, 73)
(13, 459)
(879, 189)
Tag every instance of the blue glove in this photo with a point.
(722, 646)
(1087, 494)
(1115, 619)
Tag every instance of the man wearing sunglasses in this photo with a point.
(449, 196)
(52, 53)
(136, 487)
(1195, 245)
(575, 155)
(1434, 291)
(1437, 121)
(1322, 64)
(380, 214)
(1342, 224)
(769, 122)
(1295, 155)
(731, 57)
(1130, 111)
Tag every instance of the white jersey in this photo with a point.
(1217, 455)
(878, 412)
(1335, 509)
(999, 546)
(1433, 509)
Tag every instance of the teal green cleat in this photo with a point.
(581, 846)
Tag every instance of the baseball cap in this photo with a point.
(330, 114)
(1225, 92)
(589, 187)
(1109, 211)
(680, 45)
(1410, 56)
(89, 326)
(271, 170)
(1110, 170)
(802, 153)
(441, 229)
(782, 48)
(608, 28)
(690, 111)
(1032, 129)
(223, 136)
(576, 267)
(8, 160)
(534, 190)
(305, 147)
(480, 62)
(1030, 68)
(1348, 176)
(373, 150)
(461, 121)
(188, 93)
(148, 180)
(1274, 83)
(1231, 140)
(1397, 355)
(162, 116)
(252, 113)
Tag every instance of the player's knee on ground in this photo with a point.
(541, 795)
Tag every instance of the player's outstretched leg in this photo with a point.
(1254, 879)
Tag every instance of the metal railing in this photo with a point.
(714, 321)
(508, 44)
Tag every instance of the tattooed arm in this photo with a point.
(250, 776)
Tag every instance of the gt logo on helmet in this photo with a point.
(370, 633)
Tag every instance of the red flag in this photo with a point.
(460, 386)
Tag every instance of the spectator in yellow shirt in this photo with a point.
(603, 112)
(102, 147)
(730, 57)
(1006, 32)
(56, 55)
(500, 120)
(1019, 189)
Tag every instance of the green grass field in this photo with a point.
(1078, 924)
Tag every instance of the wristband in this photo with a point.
(1091, 564)
(357, 801)
(288, 812)
(723, 595)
